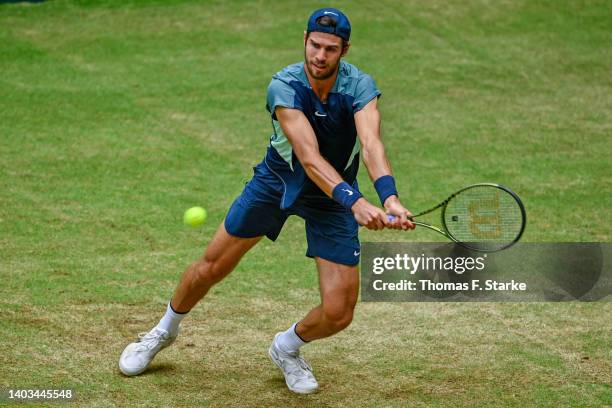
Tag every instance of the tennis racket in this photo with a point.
(483, 217)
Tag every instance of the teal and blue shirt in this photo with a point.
(333, 123)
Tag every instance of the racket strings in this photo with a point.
(485, 216)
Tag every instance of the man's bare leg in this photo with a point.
(220, 258)
(339, 288)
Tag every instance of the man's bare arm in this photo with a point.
(367, 122)
(304, 142)
(306, 148)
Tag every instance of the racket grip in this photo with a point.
(393, 217)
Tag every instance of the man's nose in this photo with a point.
(320, 55)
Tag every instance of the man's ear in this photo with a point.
(305, 37)
(345, 49)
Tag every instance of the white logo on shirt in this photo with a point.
(349, 192)
(321, 115)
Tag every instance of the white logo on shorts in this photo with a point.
(356, 253)
(321, 115)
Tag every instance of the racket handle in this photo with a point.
(393, 218)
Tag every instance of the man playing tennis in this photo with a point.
(324, 113)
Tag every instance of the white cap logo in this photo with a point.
(330, 12)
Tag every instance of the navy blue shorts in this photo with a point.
(331, 230)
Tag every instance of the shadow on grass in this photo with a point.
(158, 369)
(277, 381)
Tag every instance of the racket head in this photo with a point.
(484, 217)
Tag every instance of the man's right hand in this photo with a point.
(369, 215)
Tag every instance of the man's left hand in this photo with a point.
(394, 207)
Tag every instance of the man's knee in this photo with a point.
(338, 317)
(221, 256)
(209, 270)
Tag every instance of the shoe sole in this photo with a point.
(271, 355)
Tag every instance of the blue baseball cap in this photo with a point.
(340, 25)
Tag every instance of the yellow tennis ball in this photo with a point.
(195, 216)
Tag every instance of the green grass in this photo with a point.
(116, 116)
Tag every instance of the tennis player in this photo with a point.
(324, 115)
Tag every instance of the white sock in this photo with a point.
(289, 341)
(171, 320)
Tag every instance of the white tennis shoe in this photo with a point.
(298, 374)
(138, 355)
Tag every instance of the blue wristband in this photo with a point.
(385, 187)
(346, 195)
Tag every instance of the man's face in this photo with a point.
(322, 54)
